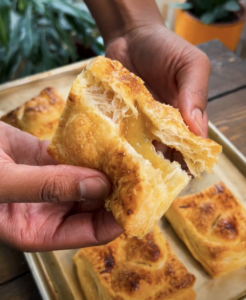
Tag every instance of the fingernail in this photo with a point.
(93, 188)
(196, 115)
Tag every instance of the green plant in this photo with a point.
(210, 11)
(38, 35)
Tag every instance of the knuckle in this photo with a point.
(205, 60)
(52, 190)
(201, 95)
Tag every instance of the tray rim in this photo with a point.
(40, 276)
(43, 75)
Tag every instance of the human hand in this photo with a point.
(174, 71)
(69, 210)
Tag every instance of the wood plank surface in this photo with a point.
(228, 72)
(21, 288)
(229, 115)
(12, 263)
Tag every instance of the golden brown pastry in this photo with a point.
(109, 123)
(38, 116)
(129, 268)
(212, 224)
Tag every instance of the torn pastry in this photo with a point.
(38, 116)
(212, 224)
(109, 123)
(129, 268)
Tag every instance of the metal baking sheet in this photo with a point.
(54, 272)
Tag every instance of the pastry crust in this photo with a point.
(109, 123)
(212, 224)
(38, 116)
(129, 268)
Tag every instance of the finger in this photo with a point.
(17, 144)
(88, 206)
(21, 183)
(84, 230)
(192, 81)
(76, 231)
(159, 147)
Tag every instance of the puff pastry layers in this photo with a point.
(129, 268)
(38, 116)
(109, 123)
(212, 224)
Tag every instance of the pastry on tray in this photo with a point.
(38, 116)
(212, 224)
(109, 123)
(130, 268)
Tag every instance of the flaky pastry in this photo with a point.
(212, 224)
(109, 123)
(129, 268)
(38, 116)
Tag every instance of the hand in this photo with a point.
(69, 210)
(174, 71)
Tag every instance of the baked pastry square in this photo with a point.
(129, 268)
(38, 116)
(109, 123)
(212, 224)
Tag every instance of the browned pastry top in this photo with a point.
(129, 268)
(38, 116)
(216, 214)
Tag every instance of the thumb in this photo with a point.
(22, 183)
(193, 91)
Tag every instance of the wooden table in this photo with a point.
(227, 110)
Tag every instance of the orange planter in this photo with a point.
(194, 31)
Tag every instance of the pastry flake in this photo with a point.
(129, 268)
(109, 123)
(212, 224)
(38, 116)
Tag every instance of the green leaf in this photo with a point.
(66, 8)
(39, 6)
(42, 34)
(206, 5)
(21, 5)
(208, 18)
(5, 3)
(3, 37)
(220, 12)
(44, 22)
(184, 5)
(27, 27)
(5, 15)
(232, 6)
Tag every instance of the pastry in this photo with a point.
(108, 124)
(129, 268)
(212, 224)
(38, 116)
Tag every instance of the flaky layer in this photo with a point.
(212, 225)
(163, 121)
(129, 268)
(38, 116)
(106, 126)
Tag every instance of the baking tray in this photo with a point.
(54, 272)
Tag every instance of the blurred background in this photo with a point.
(39, 35)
